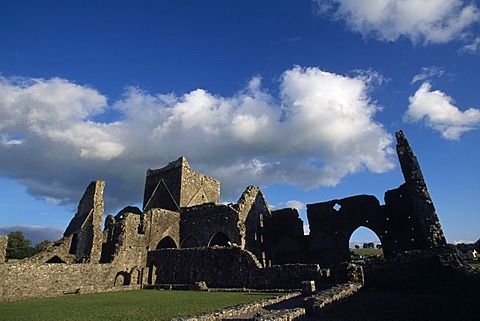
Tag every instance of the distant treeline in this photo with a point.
(19, 247)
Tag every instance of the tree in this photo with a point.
(18, 247)
(41, 246)
(357, 246)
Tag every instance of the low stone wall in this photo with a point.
(224, 267)
(317, 305)
(239, 310)
(3, 247)
(22, 280)
(280, 315)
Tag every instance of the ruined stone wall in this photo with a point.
(418, 194)
(3, 247)
(203, 222)
(158, 224)
(86, 226)
(226, 268)
(438, 268)
(254, 224)
(197, 188)
(333, 222)
(56, 252)
(22, 280)
(130, 246)
(288, 244)
(177, 185)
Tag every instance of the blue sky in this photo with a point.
(301, 98)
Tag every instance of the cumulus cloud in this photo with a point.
(421, 21)
(320, 129)
(437, 111)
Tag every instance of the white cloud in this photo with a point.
(428, 72)
(296, 204)
(471, 48)
(437, 111)
(421, 21)
(320, 129)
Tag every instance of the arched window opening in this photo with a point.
(219, 239)
(189, 242)
(166, 243)
(364, 244)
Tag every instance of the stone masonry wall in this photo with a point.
(22, 280)
(418, 194)
(3, 247)
(86, 225)
(223, 267)
(197, 188)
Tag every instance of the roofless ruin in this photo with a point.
(184, 236)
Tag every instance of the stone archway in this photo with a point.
(367, 243)
(166, 243)
(219, 239)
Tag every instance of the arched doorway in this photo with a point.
(365, 243)
(166, 243)
(219, 239)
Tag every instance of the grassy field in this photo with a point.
(367, 252)
(474, 264)
(125, 305)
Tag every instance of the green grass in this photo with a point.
(125, 305)
(474, 264)
(367, 252)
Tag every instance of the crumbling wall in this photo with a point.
(56, 252)
(22, 280)
(86, 226)
(227, 268)
(203, 222)
(438, 268)
(3, 247)
(419, 197)
(333, 222)
(288, 243)
(254, 224)
(160, 223)
(125, 246)
(197, 188)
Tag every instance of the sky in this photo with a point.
(301, 98)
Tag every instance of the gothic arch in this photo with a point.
(166, 243)
(190, 241)
(219, 239)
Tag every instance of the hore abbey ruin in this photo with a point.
(184, 237)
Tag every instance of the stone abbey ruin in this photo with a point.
(185, 237)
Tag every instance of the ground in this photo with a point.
(373, 305)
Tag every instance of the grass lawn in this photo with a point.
(367, 252)
(125, 305)
(474, 264)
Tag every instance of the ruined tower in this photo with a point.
(418, 193)
(86, 226)
(177, 185)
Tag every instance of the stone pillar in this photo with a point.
(3, 248)
(86, 226)
(416, 187)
